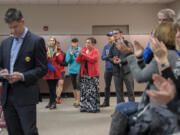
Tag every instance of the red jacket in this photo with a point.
(56, 60)
(92, 62)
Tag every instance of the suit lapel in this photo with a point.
(9, 45)
(23, 46)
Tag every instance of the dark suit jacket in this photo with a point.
(31, 61)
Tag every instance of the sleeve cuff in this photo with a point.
(140, 57)
(23, 79)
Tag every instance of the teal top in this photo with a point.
(74, 67)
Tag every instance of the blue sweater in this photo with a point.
(147, 54)
(74, 67)
(178, 52)
(105, 53)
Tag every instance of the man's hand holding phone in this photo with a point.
(5, 74)
(14, 77)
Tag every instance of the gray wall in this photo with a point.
(176, 7)
(65, 21)
(78, 19)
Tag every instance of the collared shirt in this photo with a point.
(16, 45)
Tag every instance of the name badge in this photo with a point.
(28, 59)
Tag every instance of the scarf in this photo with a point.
(52, 51)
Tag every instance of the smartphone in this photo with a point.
(4, 74)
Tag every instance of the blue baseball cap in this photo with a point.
(110, 34)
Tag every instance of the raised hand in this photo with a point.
(123, 47)
(70, 52)
(3, 72)
(159, 50)
(116, 60)
(166, 90)
(80, 52)
(15, 77)
(138, 49)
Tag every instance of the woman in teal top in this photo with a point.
(74, 68)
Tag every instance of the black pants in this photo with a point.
(20, 120)
(75, 81)
(129, 82)
(52, 90)
(107, 79)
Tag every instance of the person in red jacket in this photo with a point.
(89, 77)
(55, 58)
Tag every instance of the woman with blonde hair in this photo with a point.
(54, 58)
(170, 94)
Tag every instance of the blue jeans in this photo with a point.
(128, 109)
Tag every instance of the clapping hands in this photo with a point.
(116, 60)
(80, 52)
(70, 52)
(159, 50)
(121, 46)
(166, 90)
(138, 49)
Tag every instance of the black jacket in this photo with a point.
(33, 47)
(173, 105)
(123, 66)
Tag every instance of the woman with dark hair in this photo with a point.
(55, 58)
(74, 68)
(89, 77)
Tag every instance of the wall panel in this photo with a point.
(65, 42)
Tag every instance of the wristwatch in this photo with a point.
(164, 65)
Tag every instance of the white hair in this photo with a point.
(168, 12)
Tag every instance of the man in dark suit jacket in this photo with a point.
(121, 71)
(23, 57)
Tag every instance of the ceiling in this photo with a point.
(79, 2)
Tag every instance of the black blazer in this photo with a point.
(31, 61)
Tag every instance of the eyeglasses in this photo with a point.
(116, 33)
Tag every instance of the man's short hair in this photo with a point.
(12, 15)
(120, 31)
(168, 12)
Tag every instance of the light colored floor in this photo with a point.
(67, 120)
